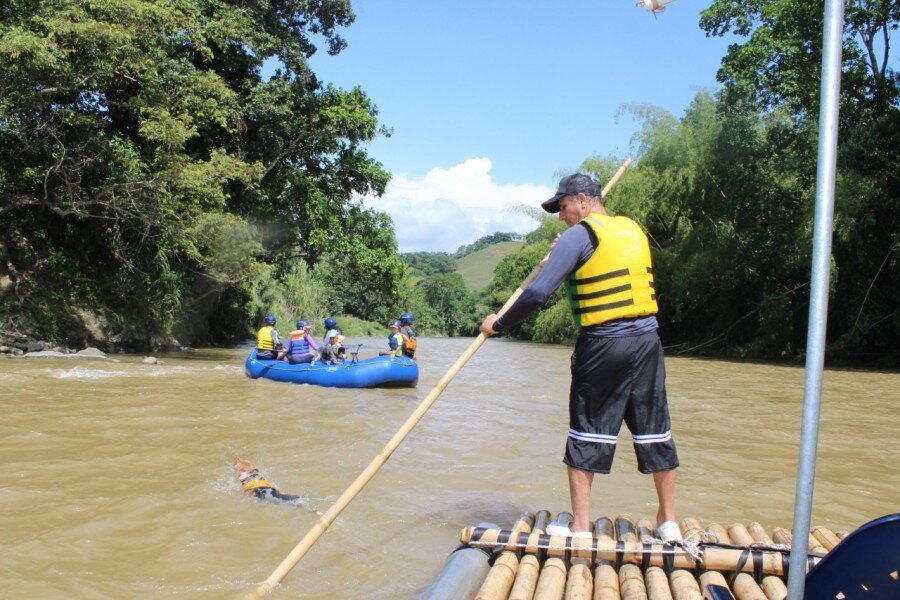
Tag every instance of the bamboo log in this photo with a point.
(541, 519)
(773, 587)
(758, 533)
(708, 578)
(657, 584)
(529, 565)
(684, 586)
(632, 583)
(719, 533)
(580, 584)
(815, 545)
(679, 577)
(625, 531)
(606, 582)
(552, 582)
(605, 528)
(824, 535)
(744, 586)
(689, 525)
(526, 578)
(645, 530)
(782, 536)
(325, 521)
(564, 518)
(500, 578)
(715, 558)
(739, 535)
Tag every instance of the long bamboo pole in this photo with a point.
(325, 521)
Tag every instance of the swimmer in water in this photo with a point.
(257, 486)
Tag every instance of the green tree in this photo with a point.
(485, 241)
(429, 263)
(142, 154)
(778, 64)
(452, 305)
(777, 69)
(365, 274)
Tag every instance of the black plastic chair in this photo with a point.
(717, 592)
(864, 566)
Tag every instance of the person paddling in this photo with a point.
(618, 372)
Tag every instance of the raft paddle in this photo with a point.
(325, 521)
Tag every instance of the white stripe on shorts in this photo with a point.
(653, 438)
(597, 438)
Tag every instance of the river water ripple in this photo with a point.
(117, 479)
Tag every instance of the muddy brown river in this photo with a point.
(117, 479)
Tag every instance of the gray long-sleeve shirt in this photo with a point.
(573, 248)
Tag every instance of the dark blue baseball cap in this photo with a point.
(571, 185)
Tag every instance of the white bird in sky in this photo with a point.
(654, 6)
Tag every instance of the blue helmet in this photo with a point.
(330, 323)
(270, 319)
(302, 324)
(406, 318)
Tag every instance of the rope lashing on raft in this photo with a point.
(764, 560)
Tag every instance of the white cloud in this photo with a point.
(448, 208)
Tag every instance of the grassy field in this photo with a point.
(477, 269)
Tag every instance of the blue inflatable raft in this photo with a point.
(380, 371)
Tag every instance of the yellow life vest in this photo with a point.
(264, 338)
(399, 338)
(257, 483)
(616, 282)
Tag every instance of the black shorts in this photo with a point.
(616, 379)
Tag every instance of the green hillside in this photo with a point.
(477, 269)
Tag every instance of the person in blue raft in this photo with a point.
(409, 335)
(301, 348)
(395, 340)
(268, 345)
(331, 329)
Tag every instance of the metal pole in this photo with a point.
(832, 40)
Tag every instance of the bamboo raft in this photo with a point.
(625, 560)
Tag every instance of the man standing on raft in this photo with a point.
(618, 371)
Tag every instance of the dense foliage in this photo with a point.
(485, 241)
(149, 174)
(726, 195)
(422, 264)
(154, 186)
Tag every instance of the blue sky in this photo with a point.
(489, 101)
